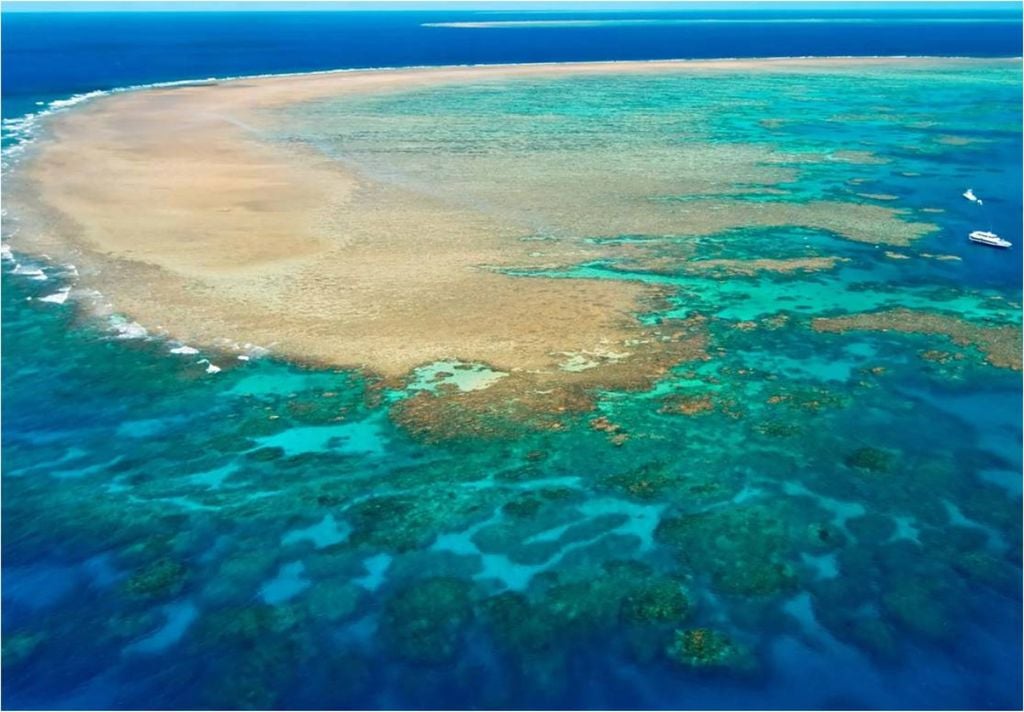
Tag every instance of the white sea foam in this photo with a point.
(184, 350)
(28, 271)
(127, 329)
(58, 104)
(249, 351)
(58, 297)
(210, 367)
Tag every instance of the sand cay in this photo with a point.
(181, 207)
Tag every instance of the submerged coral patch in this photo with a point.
(1001, 343)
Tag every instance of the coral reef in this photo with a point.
(706, 648)
(1001, 344)
(524, 402)
(745, 550)
(333, 600)
(872, 527)
(656, 601)
(161, 579)
(516, 624)
(686, 404)
(403, 522)
(646, 482)
(747, 268)
(617, 435)
(870, 459)
(424, 621)
(915, 604)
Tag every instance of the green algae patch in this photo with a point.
(424, 622)
(1001, 344)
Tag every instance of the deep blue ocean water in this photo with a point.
(51, 55)
(96, 426)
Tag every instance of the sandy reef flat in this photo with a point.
(179, 206)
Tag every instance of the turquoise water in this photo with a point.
(802, 520)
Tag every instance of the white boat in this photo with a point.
(983, 237)
(969, 194)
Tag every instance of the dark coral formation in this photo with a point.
(687, 404)
(745, 550)
(424, 622)
(650, 481)
(161, 579)
(704, 648)
(870, 459)
(516, 624)
(656, 601)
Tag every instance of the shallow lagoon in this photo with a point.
(803, 519)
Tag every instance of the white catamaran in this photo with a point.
(984, 237)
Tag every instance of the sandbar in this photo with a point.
(178, 210)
